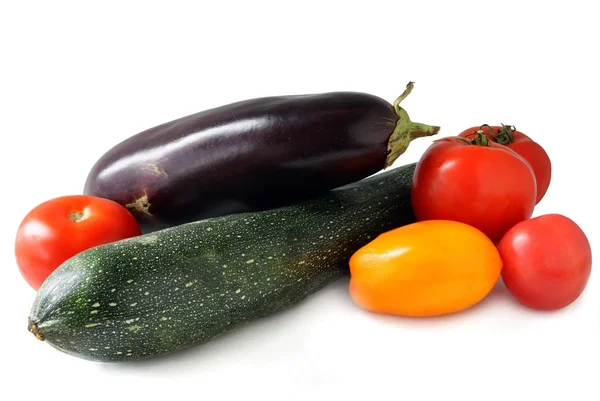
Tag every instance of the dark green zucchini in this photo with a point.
(182, 286)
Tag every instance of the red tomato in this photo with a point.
(488, 187)
(531, 151)
(60, 228)
(547, 261)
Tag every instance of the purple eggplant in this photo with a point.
(253, 155)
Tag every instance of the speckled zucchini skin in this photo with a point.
(182, 286)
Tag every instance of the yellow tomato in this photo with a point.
(429, 268)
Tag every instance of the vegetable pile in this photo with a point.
(487, 180)
(200, 225)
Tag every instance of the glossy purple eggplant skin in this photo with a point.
(251, 155)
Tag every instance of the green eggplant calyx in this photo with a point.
(405, 130)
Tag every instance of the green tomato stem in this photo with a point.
(506, 135)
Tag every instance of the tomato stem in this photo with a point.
(491, 134)
(481, 139)
(506, 134)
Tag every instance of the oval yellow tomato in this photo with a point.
(429, 268)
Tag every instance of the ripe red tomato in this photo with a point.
(530, 150)
(60, 228)
(547, 261)
(487, 186)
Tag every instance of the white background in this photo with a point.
(75, 79)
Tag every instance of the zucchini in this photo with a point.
(178, 287)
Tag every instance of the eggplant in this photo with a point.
(253, 155)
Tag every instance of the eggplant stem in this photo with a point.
(405, 130)
(409, 87)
